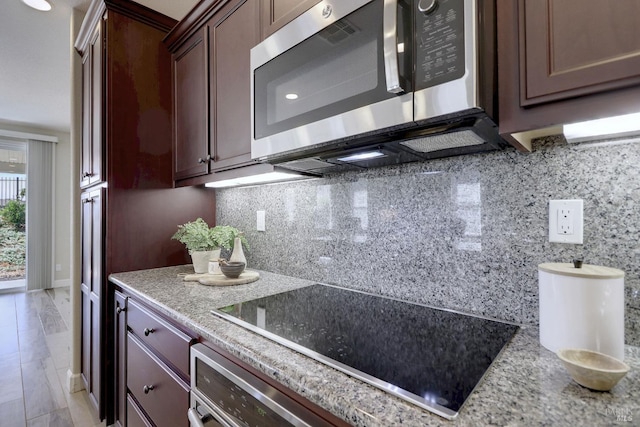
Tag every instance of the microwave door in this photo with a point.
(336, 83)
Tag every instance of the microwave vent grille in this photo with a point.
(465, 138)
(308, 164)
(337, 32)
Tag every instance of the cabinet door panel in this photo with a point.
(232, 39)
(91, 289)
(575, 48)
(85, 147)
(277, 13)
(190, 88)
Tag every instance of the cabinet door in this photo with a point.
(91, 289)
(231, 39)
(91, 147)
(277, 13)
(578, 47)
(120, 358)
(190, 108)
(564, 62)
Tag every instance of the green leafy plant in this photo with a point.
(14, 214)
(198, 236)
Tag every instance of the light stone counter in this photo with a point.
(526, 385)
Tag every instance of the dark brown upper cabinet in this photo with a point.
(278, 13)
(211, 88)
(190, 102)
(562, 61)
(91, 149)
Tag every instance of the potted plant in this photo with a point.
(204, 242)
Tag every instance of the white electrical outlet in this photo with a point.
(565, 221)
(260, 221)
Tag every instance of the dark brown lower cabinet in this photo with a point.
(92, 226)
(151, 366)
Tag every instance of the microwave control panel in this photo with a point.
(440, 38)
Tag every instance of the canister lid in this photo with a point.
(587, 271)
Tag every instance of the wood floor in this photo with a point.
(34, 359)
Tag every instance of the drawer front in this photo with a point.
(135, 417)
(159, 391)
(170, 343)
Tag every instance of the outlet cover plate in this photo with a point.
(260, 221)
(566, 221)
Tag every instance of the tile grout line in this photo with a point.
(24, 397)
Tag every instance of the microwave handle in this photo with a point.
(390, 46)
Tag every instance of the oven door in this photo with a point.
(340, 69)
(224, 394)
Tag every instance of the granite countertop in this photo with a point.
(526, 385)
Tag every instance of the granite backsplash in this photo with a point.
(464, 233)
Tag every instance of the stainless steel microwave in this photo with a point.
(365, 83)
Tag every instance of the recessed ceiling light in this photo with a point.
(291, 96)
(42, 5)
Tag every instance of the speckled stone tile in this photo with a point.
(526, 385)
(465, 233)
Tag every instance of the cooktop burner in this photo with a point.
(430, 357)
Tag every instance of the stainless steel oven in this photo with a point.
(225, 394)
(349, 74)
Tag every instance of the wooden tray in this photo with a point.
(245, 277)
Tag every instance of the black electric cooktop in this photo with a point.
(430, 357)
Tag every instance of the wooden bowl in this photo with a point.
(232, 269)
(591, 369)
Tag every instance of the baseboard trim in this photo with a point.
(74, 382)
(63, 283)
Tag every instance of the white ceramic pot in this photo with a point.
(200, 260)
(582, 308)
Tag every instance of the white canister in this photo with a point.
(582, 308)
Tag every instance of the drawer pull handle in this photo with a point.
(148, 331)
(147, 389)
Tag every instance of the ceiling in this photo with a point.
(35, 48)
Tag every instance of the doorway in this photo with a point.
(13, 239)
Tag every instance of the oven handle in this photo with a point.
(390, 46)
(198, 420)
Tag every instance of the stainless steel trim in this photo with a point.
(390, 45)
(300, 29)
(391, 112)
(460, 94)
(202, 352)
